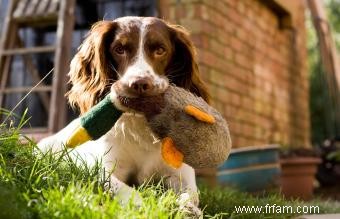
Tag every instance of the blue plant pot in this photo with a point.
(251, 168)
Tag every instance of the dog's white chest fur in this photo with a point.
(132, 148)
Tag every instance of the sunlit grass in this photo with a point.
(52, 186)
(36, 185)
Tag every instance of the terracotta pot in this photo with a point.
(297, 176)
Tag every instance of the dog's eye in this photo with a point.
(159, 51)
(119, 49)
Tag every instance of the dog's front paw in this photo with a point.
(188, 206)
(51, 144)
(126, 195)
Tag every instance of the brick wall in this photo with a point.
(255, 70)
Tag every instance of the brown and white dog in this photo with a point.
(143, 55)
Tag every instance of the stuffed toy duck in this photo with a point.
(191, 131)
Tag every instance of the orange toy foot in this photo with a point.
(170, 154)
(199, 114)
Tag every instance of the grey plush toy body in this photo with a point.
(192, 131)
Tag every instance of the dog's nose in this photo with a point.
(142, 85)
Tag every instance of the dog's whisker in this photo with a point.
(172, 75)
(113, 68)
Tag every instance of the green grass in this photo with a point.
(52, 186)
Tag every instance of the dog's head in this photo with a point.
(142, 54)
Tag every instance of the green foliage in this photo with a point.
(334, 156)
(323, 121)
(12, 204)
(321, 109)
(333, 9)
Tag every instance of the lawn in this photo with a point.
(51, 186)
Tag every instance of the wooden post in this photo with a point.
(62, 56)
(6, 29)
(7, 41)
(5, 63)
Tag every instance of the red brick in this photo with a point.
(228, 53)
(230, 111)
(216, 47)
(236, 44)
(248, 130)
(236, 99)
(223, 37)
(242, 142)
(207, 58)
(234, 16)
(231, 3)
(224, 95)
(243, 35)
(235, 85)
(241, 7)
(242, 61)
(256, 72)
(194, 26)
(229, 27)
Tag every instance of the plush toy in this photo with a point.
(191, 131)
(95, 123)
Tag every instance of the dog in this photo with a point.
(143, 55)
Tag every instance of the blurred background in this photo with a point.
(271, 65)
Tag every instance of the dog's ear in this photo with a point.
(91, 69)
(183, 69)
